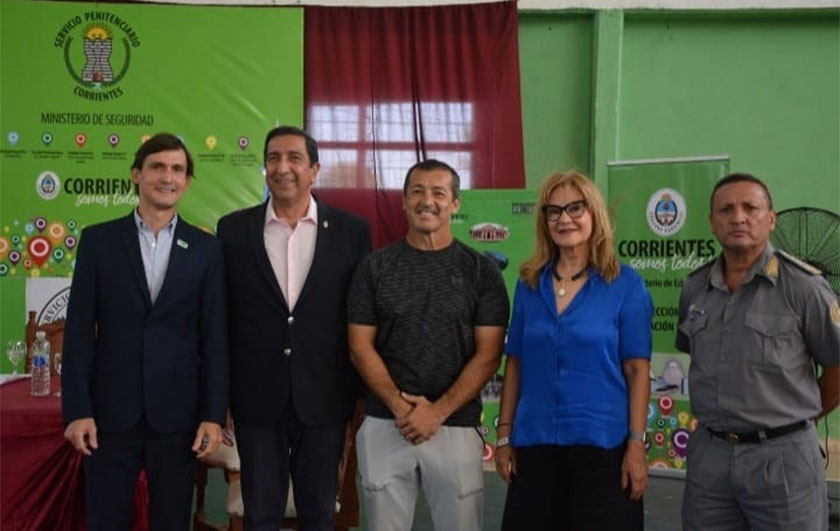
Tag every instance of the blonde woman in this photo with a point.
(571, 432)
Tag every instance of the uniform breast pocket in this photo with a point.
(776, 336)
(693, 327)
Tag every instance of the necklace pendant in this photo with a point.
(561, 291)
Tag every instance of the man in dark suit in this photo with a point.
(145, 380)
(289, 264)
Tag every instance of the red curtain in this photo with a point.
(387, 87)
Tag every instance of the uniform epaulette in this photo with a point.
(702, 267)
(805, 266)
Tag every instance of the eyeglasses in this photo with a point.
(575, 209)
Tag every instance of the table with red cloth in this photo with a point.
(41, 476)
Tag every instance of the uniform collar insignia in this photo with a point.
(771, 268)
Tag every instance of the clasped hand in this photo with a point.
(420, 420)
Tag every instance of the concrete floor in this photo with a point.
(663, 502)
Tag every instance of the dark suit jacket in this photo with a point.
(278, 356)
(124, 356)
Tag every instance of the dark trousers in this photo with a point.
(271, 453)
(111, 475)
(570, 488)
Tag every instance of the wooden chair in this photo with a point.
(226, 458)
(347, 496)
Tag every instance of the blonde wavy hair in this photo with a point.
(601, 254)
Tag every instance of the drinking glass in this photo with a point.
(15, 351)
(20, 353)
(10, 353)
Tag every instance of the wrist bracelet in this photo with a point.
(504, 424)
(640, 436)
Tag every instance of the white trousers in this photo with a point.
(448, 467)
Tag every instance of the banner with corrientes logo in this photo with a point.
(661, 214)
(82, 85)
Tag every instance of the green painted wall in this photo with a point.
(762, 87)
(555, 54)
(765, 90)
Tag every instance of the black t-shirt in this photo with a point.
(426, 305)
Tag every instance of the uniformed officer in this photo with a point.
(756, 322)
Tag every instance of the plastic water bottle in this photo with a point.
(41, 365)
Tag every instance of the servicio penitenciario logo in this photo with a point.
(97, 47)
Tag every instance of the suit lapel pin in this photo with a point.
(182, 244)
(325, 224)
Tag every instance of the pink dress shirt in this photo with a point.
(290, 250)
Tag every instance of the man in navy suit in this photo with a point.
(289, 264)
(145, 380)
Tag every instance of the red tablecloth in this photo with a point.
(41, 477)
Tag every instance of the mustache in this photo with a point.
(424, 209)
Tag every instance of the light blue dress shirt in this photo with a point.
(572, 389)
(155, 252)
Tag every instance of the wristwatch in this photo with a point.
(641, 436)
(502, 441)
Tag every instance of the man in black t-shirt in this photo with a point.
(427, 320)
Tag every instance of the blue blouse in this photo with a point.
(572, 389)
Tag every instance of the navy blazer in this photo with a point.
(278, 356)
(125, 357)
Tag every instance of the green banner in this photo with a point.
(661, 214)
(83, 84)
(499, 223)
